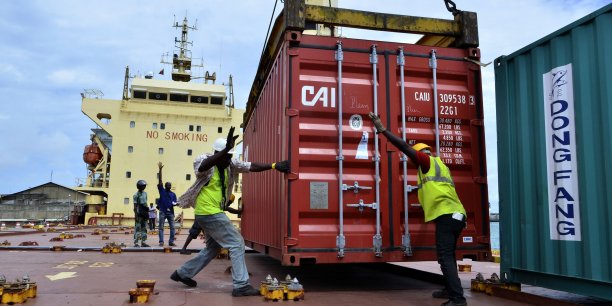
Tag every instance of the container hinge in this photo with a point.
(477, 122)
(362, 205)
(291, 112)
(406, 245)
(377, 241)
(289, 241)
(340, 245)
(480, 179)
(355, 187)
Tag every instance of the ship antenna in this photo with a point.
(125, 83)
(181, 59)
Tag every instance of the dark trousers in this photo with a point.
(152, 223)
(447, 233)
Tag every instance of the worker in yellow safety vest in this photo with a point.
(440, 204)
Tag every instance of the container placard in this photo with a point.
(561, 168)
(319, 195)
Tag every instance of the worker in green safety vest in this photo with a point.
(440, 204)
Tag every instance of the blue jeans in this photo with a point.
(162, 219)
(219, 233)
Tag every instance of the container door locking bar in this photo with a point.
(340, 242)
(377, 239)
(362, 205)
(407, 188)
(433, 64)
(355, 187)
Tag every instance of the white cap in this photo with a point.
(220, 144)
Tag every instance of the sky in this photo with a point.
(50, 51)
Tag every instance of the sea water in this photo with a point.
(494, 226)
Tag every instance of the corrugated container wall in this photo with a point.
(296, 217)
(554, 110)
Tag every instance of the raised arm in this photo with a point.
(218, 156)
(160, 166)
(396, 141)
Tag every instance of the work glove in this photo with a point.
(282, 166)
(231, 139)
(377, 123)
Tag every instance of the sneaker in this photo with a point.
(171, 244)
(440, 294)
(161, 243)
(247, 290)
(144, 245)
(187, 281)
(451, 303)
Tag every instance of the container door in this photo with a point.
(336, 215)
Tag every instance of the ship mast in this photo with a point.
(181, 60)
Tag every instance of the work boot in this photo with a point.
(161, 243)
(440, 294)
(451, 303)
(171, 244)
(247, 290)
(144, 245)
(187, 281)
(136, 245)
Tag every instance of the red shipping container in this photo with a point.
(296, 217)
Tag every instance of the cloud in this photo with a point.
(72, 77)
(10, 72)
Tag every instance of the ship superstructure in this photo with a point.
(168, 121)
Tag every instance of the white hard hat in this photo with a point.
(220, 144)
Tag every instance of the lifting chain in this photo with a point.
(451, 7)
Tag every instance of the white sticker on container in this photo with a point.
(356, 122)
(468, 240)
(362, 149)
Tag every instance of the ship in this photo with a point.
(168, 121)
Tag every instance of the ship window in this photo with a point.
(128, 174)
(198, 128)
(191, 128)
(132, 124)
(178, 97)
(158, 96)
(220, 130)
(130, 149)
(199, 99)
(189, 152)
(155, 125)
(188, 177)
(160, 151)
(140, 94)
(162, 126)
(216, 100)
(126, 201)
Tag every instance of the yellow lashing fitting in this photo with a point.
(31, 290)
(58, 248)
(15, 293)
(105, 237)
(223, 254)
(465, 268)
(263, 287)
(295, 291)
(139, 295)
(146, 283)
(275, 293)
